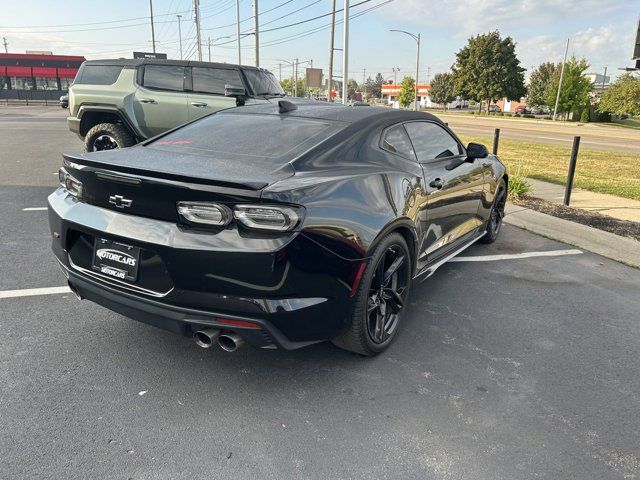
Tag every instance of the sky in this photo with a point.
(602, 31)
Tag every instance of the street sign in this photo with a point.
(314, 77)
(162, 56)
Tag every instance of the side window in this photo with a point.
(431, 141)
(213, 80)
(99, 74)
(165, 77)
(397, 141)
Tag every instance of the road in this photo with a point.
(596, 137)
(518, 368)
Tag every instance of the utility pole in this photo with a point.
(295, 79)
(238, 30)
(555, 109)
(428, 74)
(4, 41)
(196, 10)
(209, 45)
(153, 33)
(280, 71)
(331, 37)
(364, 85)
(345, 54)
(256, 32)
(604, 79)
(180, 34)
(417, 73)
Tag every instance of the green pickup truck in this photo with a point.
(118, 103)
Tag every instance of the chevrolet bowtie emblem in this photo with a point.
(119, 201)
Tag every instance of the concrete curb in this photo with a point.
(621, 249)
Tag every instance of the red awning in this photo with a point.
(67, 72)
(18, 71)
(44, 72)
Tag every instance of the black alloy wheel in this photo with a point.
(497, 214)
(104, 142)
(381, 298)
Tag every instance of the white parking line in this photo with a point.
(491, 258)
(30, 292)
(34, 209)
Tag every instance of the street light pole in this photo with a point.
(417, 39)
(345, 54)
(196, 9)
(153, 33)
(180, 34)
(555, 109)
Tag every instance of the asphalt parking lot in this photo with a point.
(514, 368)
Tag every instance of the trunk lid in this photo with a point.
(150, 182)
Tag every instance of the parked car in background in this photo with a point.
(535, 110)
(64, 101)
(521, 109)
(277, 225)
(494, 108)
(118, 103)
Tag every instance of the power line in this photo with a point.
(302, 21)
(251, 17)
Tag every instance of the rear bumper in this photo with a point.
(297, 292)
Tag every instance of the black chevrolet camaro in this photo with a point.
(278, 225)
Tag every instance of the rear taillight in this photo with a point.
(205, 213)
(72, 185)
(266, 217)
(274, 218)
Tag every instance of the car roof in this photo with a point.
(136, 62)
(335, 112)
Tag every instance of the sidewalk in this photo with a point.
(616, 207)
(621, 249)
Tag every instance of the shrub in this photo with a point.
(518, 186)
(584, 116)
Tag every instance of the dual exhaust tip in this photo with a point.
(207, 337)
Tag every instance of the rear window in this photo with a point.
(99, 74)
(164, 77)
(262, 137)
(213, 80)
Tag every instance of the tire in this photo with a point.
(362, 336)
(107, 136)
(497, 214)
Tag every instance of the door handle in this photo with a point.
(146, 100)
(437, 183)
(199, 104)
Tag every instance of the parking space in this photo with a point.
(518, 366)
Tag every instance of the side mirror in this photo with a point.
(233, 91)
(476, 150)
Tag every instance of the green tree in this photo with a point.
(487, 68)
(442, 88)
(407, 92)
(352, 88)
(540, 82)
(576, 88)
(622, 97)
(374, 87)
(287, 86)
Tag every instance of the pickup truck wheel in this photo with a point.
(107, 136)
